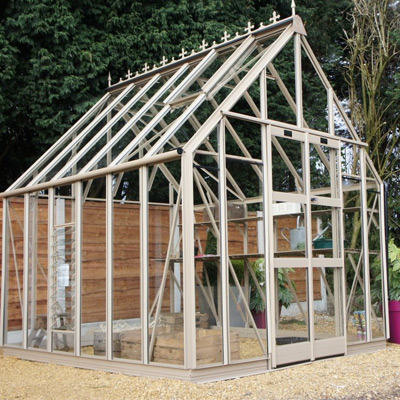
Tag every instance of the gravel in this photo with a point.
(365, 376)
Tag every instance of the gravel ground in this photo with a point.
(367, 376)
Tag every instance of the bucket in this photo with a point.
(394, 321)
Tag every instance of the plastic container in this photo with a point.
(259, 319)
(322, 243)
(394, 321)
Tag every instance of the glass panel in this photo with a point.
(375, 255)
(93, 300)
(88, 137)
(62, 307)
(165, 266)
(245, 247)
(289, 229)
(324, 170)
(326, 231)
(352, 221)
(328, 301)
(377, 308)
(354, 265)
(15, 263)
(341, 128)
(291, 306)
(208, 260)
(279, 109)
(287, 165)
(127, 328)
(314, 96)
(242, 139)
(38, 270)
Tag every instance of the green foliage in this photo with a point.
(55, 56)
(238, 266)
(211, 266)
(285, 296)
(394, 271)
(372, 74)
(394, 275)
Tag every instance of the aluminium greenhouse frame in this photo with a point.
(183, 324)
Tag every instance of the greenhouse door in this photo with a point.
(306, 253)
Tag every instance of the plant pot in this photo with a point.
(394, 321)
(259, 319)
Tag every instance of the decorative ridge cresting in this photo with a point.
(204, 46)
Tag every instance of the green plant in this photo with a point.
(238, 266)
(376, 282)
(394, 271)
(285, 296)
(212, 266)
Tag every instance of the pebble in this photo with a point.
(365, 376)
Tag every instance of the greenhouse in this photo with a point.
(201, 222)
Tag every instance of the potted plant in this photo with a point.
(257, 304)
(394, 292)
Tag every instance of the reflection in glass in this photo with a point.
(291, 306)
(327, 303)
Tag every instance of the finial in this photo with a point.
(261, 24)
(226, 36)
(120, 79)
(163, 61)
(154, 66)
(172, 59)
(183, 53)
(129, 74)
(249, 27)
(137, 73)
(204, 45)
(146, 68)
(193, 52)
(237, 34)
(275, 17)
(214, 43)
(293, 8)
(109, 78)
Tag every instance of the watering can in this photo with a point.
(297, 236)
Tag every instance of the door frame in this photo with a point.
(312, 349)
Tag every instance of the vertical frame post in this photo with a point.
(26, 274)
(33, 257)
(144, 262)
(4, 274)
(50, 258)
(223, 242)
(78, 266)
(365, 255)
(342, 292)
(268, 217)
(269, 242)
(109, 267)
(310, 282)
(384, 256)
(331, 122)
(335, 180)
(189, 298)
(298, 80)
